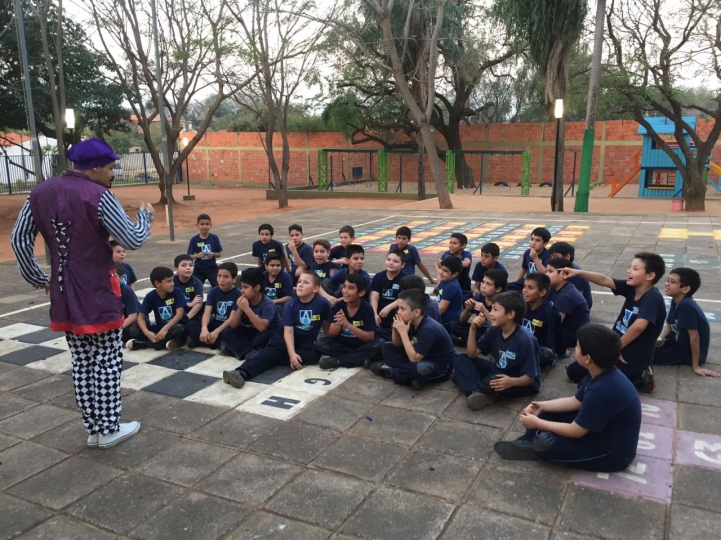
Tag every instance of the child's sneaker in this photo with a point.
(93, 440)
(125, 432)
(648, 384)
(381, 369)
(478, 401)
(135, 345)
(520, 449)
(173, 344)
(225, 350)
(233, 378)
(192, 343)
(328, 362)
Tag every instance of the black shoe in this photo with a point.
(233, 378)
(417, 385)
(328, 362)
(135, 345)
(520, 449)
(368, 362)
(225, 350)
(478, 401)
(453, 377)
(458, 341)
(648, 384)
(191, 343)
(381, 369)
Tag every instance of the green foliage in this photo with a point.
(120, 141)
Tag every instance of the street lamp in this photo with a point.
(70, 118)
(558, 114)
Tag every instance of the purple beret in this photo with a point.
(91, 153)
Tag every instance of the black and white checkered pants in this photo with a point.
(97, 363)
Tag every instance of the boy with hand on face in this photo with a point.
(299, 253)
(566, 299)
(411, 256)
(541, 320)
(489, 261)
(385, 288)
(351, 339)
(191, 286)
(339, 254)
(204, 248)
(278, 284)
(493, 283)
(265, 245)
(457, 248)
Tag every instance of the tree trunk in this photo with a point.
(464, 178)
(285, 167)
(437, 169)
(421, 173)
(694, 193)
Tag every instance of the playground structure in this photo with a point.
(660, 178)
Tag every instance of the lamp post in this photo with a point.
(70, 121)
(557, 184)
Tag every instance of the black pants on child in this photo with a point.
(404, 372)
(194, 327)
(276, 354)
(584, 453)
(670, 355)
(476, 374)
(244, 339)
(177, 331)
(349, 357)
(633, 370)
(132, 332)
(209, 273)
(516, 285)
(461, 329)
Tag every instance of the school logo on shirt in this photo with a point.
(270, 292)
(623, 324)
(165, 312)
(347, 333)
(389, 294)
(532, 268)
(321, 273)
(528, 326)
(306, 317)
(222, 309)
(505, 357)
(124, 280)
(674, 329)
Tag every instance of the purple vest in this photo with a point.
(84, 291)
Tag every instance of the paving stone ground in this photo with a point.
(357, 457)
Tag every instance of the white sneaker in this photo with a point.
(93, 441)
(125, 432)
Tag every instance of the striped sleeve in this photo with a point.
(22, 241)
(128, 234)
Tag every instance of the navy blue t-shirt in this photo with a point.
(130, 300)
(451, 292)
(223, 303)
(480, 271)
(265, 309)
(262, 250)
(323, 270)
(163, 308)
(569, 301)
(338, 279)
(650, 307)
(305, 252)
(338, 252)
(191, 288)
(129, 278)
(306, 318)
(529, 266)
(611, 412)
(280, 288)
(583, 286)
(207, 245)
(364, 318)
(464, 277)
(516, 356)
(685, 316)
(433, 310)
(544, 323)
(432, 341)
(387, 289)
(412, 259)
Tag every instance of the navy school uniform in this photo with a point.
(452, 293)
(514, 356)
(338, 252)
(464, 277)
(480, 271)
(306, 319)
(130, 307)
(432, 341)
(346, 347)
(205, 268)
(129, 278)
(163, 310)
(611, 412)
(388, 291)
(412, 258)
(544, 323)
(305, 252)
(262, 250)
(280, 288)
(338, 279)
(246, 337)
(569, 301)
(530, 268)
(640, 352)
(323, 270)
(191, 288)
(433, 310)
(684, 316)
(583, 286)
(460, 329)
(222, 305)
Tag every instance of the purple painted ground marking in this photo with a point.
(656, 442)
(658, 412)
(698, 449)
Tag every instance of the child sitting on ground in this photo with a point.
(416, 282)
(565, 250)
(566, 299)
(294, 343)
(534, 258)
(457, 247)
(595, 430)
(514, 371)
(119, 254)
(205, 249)
(356, 257)
(278, 283)
(685, 336)
(339, 254)
(450, 295)
(385, 288)
(167, 304)
(299, 253)
(489, 261)
(421, 350)
(541, 320)
(493, 283)
(351, 339)
(191, 286)
(131, 330)
(254, 322)
(640, 321)
(265, 245)
(219, 306)
(412, 257)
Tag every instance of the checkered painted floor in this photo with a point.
(195, 375)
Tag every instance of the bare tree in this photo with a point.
(656, 45)
(198, 54)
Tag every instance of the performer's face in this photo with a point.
(103, 175)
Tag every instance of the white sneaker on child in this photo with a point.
(93, 440)
(125, 432)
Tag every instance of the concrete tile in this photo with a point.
(24, 460)
(40, 336)
(9, 346)
(11, 405)
(58, 363)
(47, 389)
(181, 384)
(429, 400)
(223, 395)
(193, 517)
(362, 457)
(35, 421)
(61, 528)
(460, 439)
(146, 444)
(249, 478)
(4, 366)
(22, 376)
(142, 375)
(393, 425)
(140, 405)
(699, 419)
(7, 442)
(68, 437)
(694, 486)
(294, 441)
(180, 359)
(126, 501)
(23, 357)
(471, 523)
(612, 516)
(236, 429)
(182, 417)
(214, 366)
(65, 483)
(18, 516)
(435, 474)
(186, 462)
(500, 415)
(334, 413)
(19, 329)
(693, 523)
(369, 390)
(699, 390)
(319, 497)
(263, 524)
(390, 514)
(57, 342)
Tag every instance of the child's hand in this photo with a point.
(534, 255)
(432, 281)
(204, 335)
(296, 362)
(501, 383)
(340, 318)
(242, 303)
(401, 326)
(152, 337)
(702, 372)
(378, 320)
(478, 307)
(534, 409)
(470, 303)
(529, 421)
(161, 335)
(660, 342)
(333, 300)
(567, 273)
(197, 300)
(478, 321)
(384, 312)
(212, 336)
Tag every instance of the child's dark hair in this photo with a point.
(120, 270)
(266, 227)
(688, 278)
(462, 238)
(114, 244)
(415, 299)
(559, 263)
(542, 280)
(498, 277)
(563, 249)
(413, 282)
(295, 227)
(397, 252)
(315, 278)
(452, 263)
(253, 277)
(353, 249)
(542, 233)
(159, 273)
(273, 257)
(350, 231)
(653, 263)
(404, 231)
(602, 344)
(182, 257)
(230, 267)
(358, 280)
(322, 242)
(512, 301)
(202, 217)
(492, 249)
